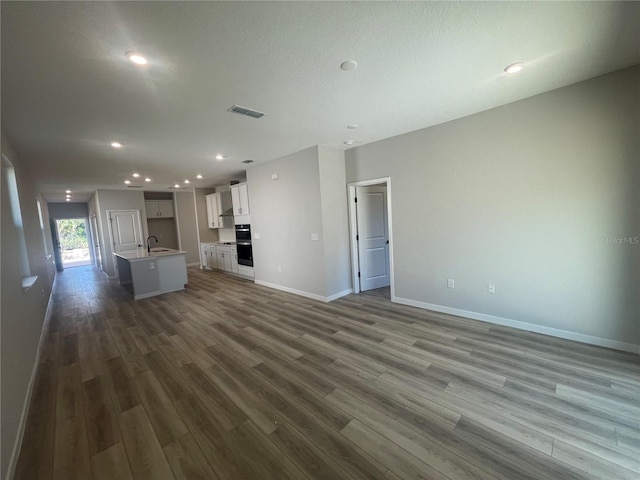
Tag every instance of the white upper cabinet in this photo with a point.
(240, 199)
(214, 209)
(159, 208)
(217, 203)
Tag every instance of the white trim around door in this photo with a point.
(353, 229)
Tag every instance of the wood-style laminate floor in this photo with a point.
(229, 380)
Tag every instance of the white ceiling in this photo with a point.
(68, 90)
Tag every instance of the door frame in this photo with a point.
(88, 236)
(95, 240)
(353, 230)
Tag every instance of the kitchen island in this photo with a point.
(151, 273)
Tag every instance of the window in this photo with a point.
(44, 237)
(16, 214)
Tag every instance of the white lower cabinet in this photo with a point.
(234, 261)
(221, 257)
(212, 261)
(204, 254)
(208, 256)
(227, 257)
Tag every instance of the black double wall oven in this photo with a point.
(243, 243)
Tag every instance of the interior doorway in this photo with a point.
(73, 242)
(371, 237)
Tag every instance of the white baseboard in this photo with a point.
(302, 293)
(530, 327)
(194, 264)
(338, 295)
(27, 401)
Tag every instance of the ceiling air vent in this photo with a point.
(245, 111)
(247, 161)
(134, 186)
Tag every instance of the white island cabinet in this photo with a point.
(147, 274)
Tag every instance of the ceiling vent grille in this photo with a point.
(245, 111)
(134, 186)
(247, 161)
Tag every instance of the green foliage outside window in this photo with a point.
(72, 233)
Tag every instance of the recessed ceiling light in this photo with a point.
(68, 199)
(349, 65)
(116, 144)
(68, 191)
(147, 179)
(199, 176)
(219, 157)
(348, 142)
(136, 175)
(187, 181)
(136, 58)
(68, 195)
(352, 127)
(127, 182)
(177, 186)
(514, 67)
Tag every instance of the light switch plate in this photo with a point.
(314, 236)
(257, 235)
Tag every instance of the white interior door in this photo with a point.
(373, 237)
(126, 230)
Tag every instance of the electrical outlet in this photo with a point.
(451, 283)
(491, 288)
(257, 236)
(152, 265)
(314, 236)
(279, 268)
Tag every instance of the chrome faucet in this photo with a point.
(149, 238)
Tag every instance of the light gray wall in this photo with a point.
(285, 212)
(187, 228)
(165, 230)
(335, 219)
(22, 314)
(68, 210)
(308, 197)
(116, 200)
(207, 235)
(523, 196)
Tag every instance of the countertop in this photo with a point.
(142, 254)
